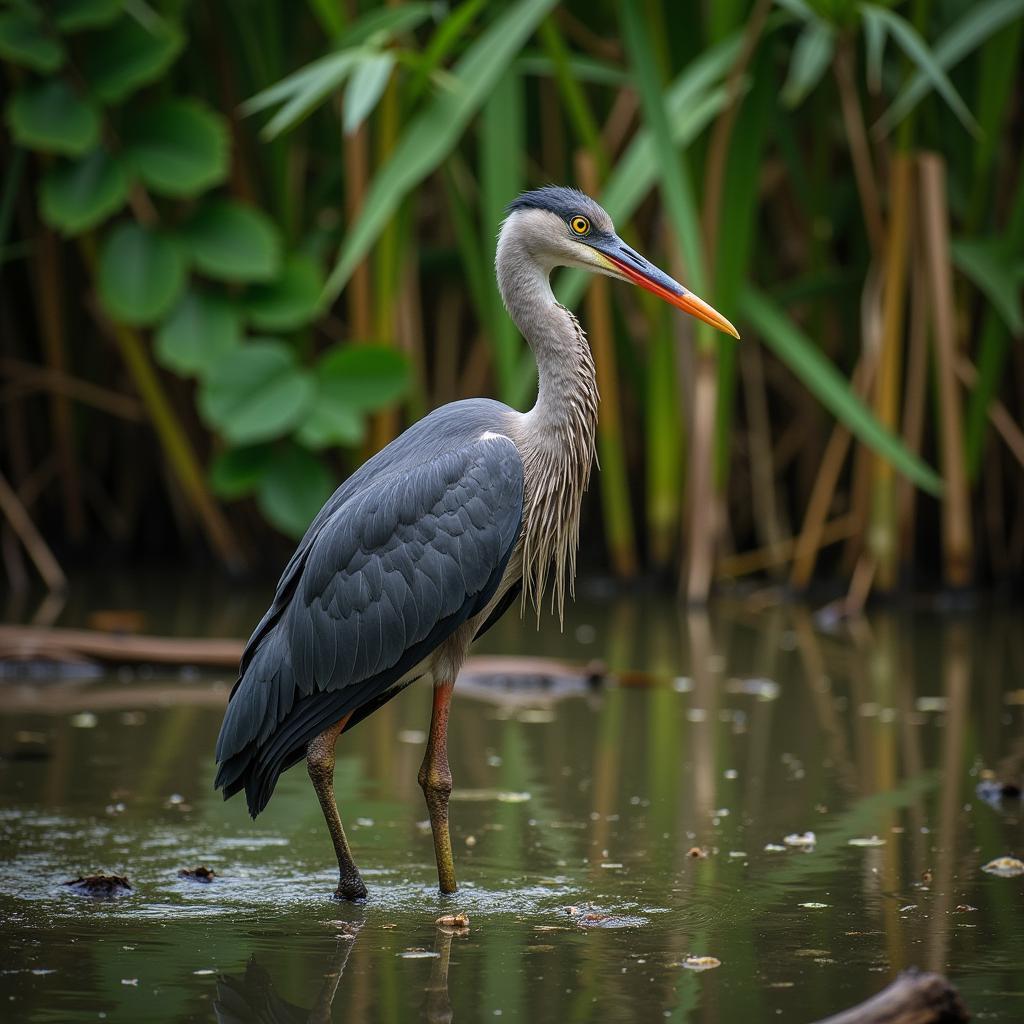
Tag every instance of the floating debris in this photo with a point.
(84, 720)
(1005, 867)
(736, 854)
(484, 795)
(199, 874)
(414, 736)
(774, 848)
(457, 924)
(930, 704)
(418, 954)
(535, 716)
(994, 791)
(869, 841)
(599, 919)
(130, 981)
(701, 963)
(697, 853)
(470, 841)
(813, 906)
(204, 971)
(100, 886)
(801, 840)
(964, 908)
(762, 689)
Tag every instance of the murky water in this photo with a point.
(576, 817)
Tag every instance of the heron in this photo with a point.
(428, 543)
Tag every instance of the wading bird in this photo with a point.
(431, 540)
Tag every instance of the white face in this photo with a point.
(553, 242)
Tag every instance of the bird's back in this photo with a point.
(411, 545)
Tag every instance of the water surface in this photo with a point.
(577, 818)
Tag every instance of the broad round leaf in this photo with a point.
(291, 300)
(330, 423)
(141, 274)
(293, 489)
(363, 377)
(25, 41)
(126, 56)
(72, 15)
(256, 393)
(238, 471)
(234, 242)
(200, 329)
(77, 196)
(178, 147)
(48, 116)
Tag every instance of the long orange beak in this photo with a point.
(635, 268)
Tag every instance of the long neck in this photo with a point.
(556, 437)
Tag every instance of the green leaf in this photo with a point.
(990, 264)
(380, 26)
(302, 91)
(365, 88)
(433, 133)
(77, 196)
(236, 472)
(197, 333)
(256, 392)
(363, 377)
(979, 22)
(821, 377)
(291, 300)
(128, 55)
(178, 147)
(48, 116)
(72, 15)
(233, 242)
(908, 40)
(583, 69)
(25, 41)
(293, 489)
(330, 424)
(141, 274)
(811, 57)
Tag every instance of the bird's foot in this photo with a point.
(351, 889)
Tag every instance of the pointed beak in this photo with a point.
(624, 262)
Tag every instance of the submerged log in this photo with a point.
(26, 643)
(913, 998)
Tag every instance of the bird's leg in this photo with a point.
(320, 765)
(436, 781)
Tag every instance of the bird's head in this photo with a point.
(563, 227)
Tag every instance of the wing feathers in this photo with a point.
(399, 565)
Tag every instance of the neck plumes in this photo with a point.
(556, 437)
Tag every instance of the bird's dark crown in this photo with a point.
(557, 199)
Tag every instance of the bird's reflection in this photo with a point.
(252, 998)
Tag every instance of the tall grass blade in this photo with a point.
(811, 58)
(693, 100)
(502, 143)
(365, 88)
(910, 42)
(432, 134)
(829, 386)
(980, 21)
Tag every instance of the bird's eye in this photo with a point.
(580, 225)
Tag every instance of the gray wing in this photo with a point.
(391, 573)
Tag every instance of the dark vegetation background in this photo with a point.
(243, 243)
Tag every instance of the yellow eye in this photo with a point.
(580, 225)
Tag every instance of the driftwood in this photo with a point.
(913, 998)
(24, 643)
(38, 643)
